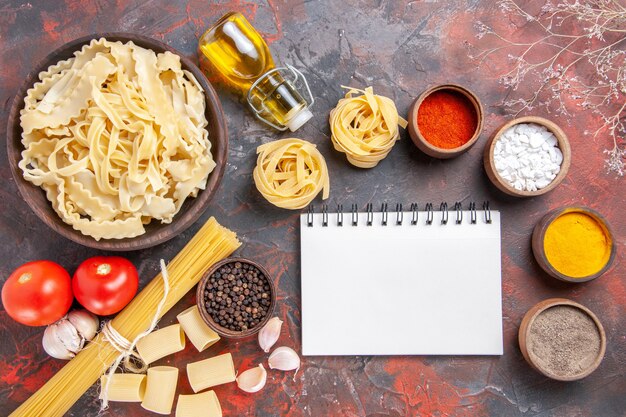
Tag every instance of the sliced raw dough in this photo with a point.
(116, 136)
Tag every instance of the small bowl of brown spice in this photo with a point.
(236, 298)
(562, 339)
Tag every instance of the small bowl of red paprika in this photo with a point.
(445, 120)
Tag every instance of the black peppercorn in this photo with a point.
(237, 296)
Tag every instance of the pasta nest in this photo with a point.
(290, 172)
(116, 136)
(365, 127)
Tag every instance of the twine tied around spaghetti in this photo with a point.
(128, 354)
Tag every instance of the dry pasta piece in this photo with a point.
(211, 372)
(161, 343)
(125, 387)
(365, 127)
(117, 138)
(289, 173)
(201, 335)
(160, 389)
(204, 404)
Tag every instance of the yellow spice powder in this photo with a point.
(576, 245)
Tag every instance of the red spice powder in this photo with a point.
(447, 119)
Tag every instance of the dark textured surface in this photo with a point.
(399, 47)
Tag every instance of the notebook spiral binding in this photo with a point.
(399, 214)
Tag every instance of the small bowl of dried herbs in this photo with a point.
(236, 298)
(562, 339)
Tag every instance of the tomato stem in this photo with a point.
(103, 269)
(25, 277)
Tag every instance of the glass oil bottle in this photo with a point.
(234, 52)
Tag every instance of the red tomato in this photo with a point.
(105, 284)
(37, 293)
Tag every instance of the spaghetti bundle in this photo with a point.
(212, 243)
(289, 173)
(365, 127)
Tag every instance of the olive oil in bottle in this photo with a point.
(235, 52)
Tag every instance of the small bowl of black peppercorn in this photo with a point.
(236, 298)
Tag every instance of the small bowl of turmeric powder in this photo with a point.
(445, 120)
(573, 244)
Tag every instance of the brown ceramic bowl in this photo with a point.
(539, 233)
(222, 331)
(421, 142)
(156, 232)
(501, 183)
(526, 326)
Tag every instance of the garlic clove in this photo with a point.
(252, 380)
(85, 323)
(65, 338)
(68, 335)
(285, 359)
(53, 346)
(270, 333)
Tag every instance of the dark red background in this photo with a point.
(400, 48)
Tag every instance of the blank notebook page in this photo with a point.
(401, 289)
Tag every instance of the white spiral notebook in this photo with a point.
(399, 282)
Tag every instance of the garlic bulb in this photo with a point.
(285, 359)
(252, 380)
(65, 338)
(269, 333)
